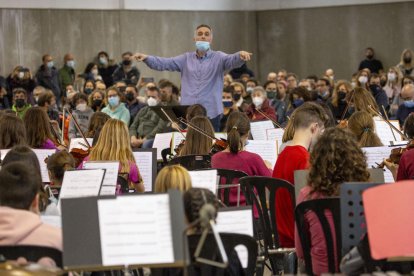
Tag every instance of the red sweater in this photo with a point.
(292, 158)
(406, 166)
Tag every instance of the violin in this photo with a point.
(179, 147)
(218, 144)
(396, 154)
(79, 154)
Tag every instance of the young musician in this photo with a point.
(172, 177)
(336, 158)
(309, 124)
(38, 130)
(235, 157)
(196, 142)
(98, 120)
(113, 144)
(362, 126)
(57, 164)
(12, 131)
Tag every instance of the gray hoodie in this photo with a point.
(83, 118)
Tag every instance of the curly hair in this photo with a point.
(194, 200)
(335, 159)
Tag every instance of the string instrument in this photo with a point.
(218, 144)
(343, 123)
(396, 153)
(270, 119)
(179, 147)
(79, 154)
(57, 141)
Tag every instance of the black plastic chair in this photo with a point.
(254, 189)
(123, 181)
(192, 162)
(32, 253)
(227, 177)
(318, 206)
(166, 155)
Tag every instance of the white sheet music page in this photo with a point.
(135, 230)
(42, 154)
(206, 179)
(143, 159)
(111, 174)
(376, 155)
(385, 133)
(239, 222)
(81, 183)
(266, 149)
(79, 143)
(275, 134)
(258, 129)
(177, 138)
(3, 153)
(162, 141)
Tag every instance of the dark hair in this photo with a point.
(97, 122)
(327, 82)
(409, 126)
(89, 67)
(126, 53)
(45, 56)
(19, 90)
(103, 53)
(58, 163)
(267, 83)
(292, 75)
(37, 126)
(153, 88)
(133, 86)
(369, 48)
(203, 26)
(194, 111)
(301, 92)
(312, 77)
(237, 125)
(45, 97)
(228, 89)
(194, 200)
(12, 131)
(309, 113)
(18, 185)
(79, 96)
(167, 83)
(256, 82)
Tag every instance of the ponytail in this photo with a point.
(237, 126)
(234, 140)
(369, 138)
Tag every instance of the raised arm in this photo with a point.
(162, 64)
(235, 60)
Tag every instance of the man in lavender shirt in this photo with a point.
(202, 72)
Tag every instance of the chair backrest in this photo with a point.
(32, 253)
(192, 162)
(255, 189)
(122, 180)
(353, 225)
(318, 206)
(227, 177)
(165, 153)
(230, 241)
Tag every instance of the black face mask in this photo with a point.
(126, 62)
(122, 89)
(88, 91)
(97, 103)
(236, 97)
(129, 96)
(407, 60)
(370, 56)
(341, 95)
(20, 103)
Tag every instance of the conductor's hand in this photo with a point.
(140, 57)
(245, 55)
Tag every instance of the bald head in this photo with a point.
(407, 92)
(272, 76)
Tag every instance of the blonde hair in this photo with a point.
(361, 124)
(114, 144)
(173, 177)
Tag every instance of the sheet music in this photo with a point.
(42, 154)
(135, 230)
(111, 175)
(176, 139)
(376, 155)
(75, 143)
(384, 132)
(275, 134)
(144, 162)
(258, 129)
(3, 153)
(162, 141)
(55, 221)
(266, 149)
(236, 221)
(206, 179)
(81, 183)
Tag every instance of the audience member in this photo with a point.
(115, 108)
(67, 72)
(126, 71)
(20, 105)
(106, 68)
(48, 77)
(374, 65)
(260, 106)
(82, 114)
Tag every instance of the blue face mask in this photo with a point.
(202, 46)
(50, 64)
(298, 102)
(228, 103)
(409, 104)
(113, 101)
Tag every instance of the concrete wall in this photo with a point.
(311, 40)
(27, 34)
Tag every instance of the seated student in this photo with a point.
(235, 157)
(172, 177)
(57, 164)
(309, 124)
(38, 130)
(20, 223)
(195, 142)
(147, 123)
(261, 103)
(12, 131)
(361, 124)
(360, 100)
(96, 124)
(336, 158)
(116, 109)
(113, 144)
(20, 105)
(83, 115)
(96, 100)
(47, 102)
(25, 155)
(338, 103)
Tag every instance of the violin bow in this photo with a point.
(385, 120)
(80, 130)
(270, 119)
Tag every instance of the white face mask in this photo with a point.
(363, 79)
(152, 102)
(258, 101)
(94, 72)
(391, 76)
(81, 107)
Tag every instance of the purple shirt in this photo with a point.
(201, 78)
(48, 144)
